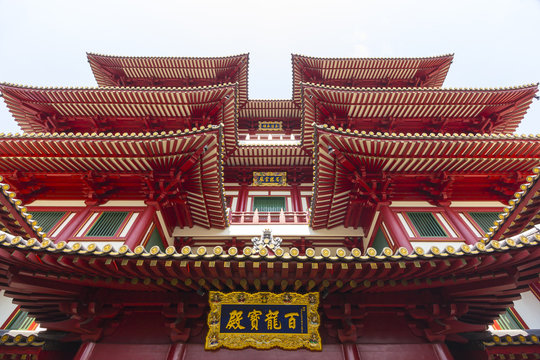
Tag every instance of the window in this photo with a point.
(47, 219)
(269, 204)
(426, 225)
(484, 220)
(107, 224)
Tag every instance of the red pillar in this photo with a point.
(242, 198)
(176, 352)
(295, 194)
(74, 224)
(461, 226)
(396, 232)
(141, 226)
(85, 351)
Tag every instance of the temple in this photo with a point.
(374, 215)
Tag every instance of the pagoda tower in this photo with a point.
(165, 215)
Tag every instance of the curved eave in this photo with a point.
(338, 154)
(463, 272)
(270, 155)
(39, 109)
(511, 340)
(522, 212)
(131, 154)
(423, 72)
(340, 256)
(270, 109)
(14, 217)
(498, 111)
(21, 340)
(107, 69)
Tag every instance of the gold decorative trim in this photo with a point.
(308, 337)
(269, 178)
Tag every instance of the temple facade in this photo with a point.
(166, 215)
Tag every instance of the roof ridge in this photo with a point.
(438, 136)
(117, 88)
(413, 89)
(116, 135)
(448, 55)
(280, 254)
(89, 53)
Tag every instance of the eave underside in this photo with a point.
(390, 72)
(171, 71)
(123, 110)
(415, 110)
(367, 169)
(182, 172)
(478, 284)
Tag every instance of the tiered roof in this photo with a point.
(171, 71)
(122, 109)
(366, 72)
(382, 167)
(478, 277)
(497, 111)
(285, 111)
(134, 166)
(523, 211)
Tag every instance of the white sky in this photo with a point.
(496, 43)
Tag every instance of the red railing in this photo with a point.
(263, 217)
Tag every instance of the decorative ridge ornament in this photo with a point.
(266, 240)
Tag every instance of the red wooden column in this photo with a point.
(85, 351)
(460, 225)
(242, 198)
(140, 227)
(74, 224)
(295, 195)
(396, 232)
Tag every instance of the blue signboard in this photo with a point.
(260, 319)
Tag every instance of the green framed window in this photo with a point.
(269, 204)
(426, 225)
(107, 224)
(47, 219)
(484, 219)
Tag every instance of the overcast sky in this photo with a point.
(496, 43)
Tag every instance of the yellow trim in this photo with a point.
(310, 341)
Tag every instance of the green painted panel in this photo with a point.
(380, 241)
(47, 219)
(507, 321)
(107, 224)
(155, 240)
(273, 203)
(484, 219)
(426, 224)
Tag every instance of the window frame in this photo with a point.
(466, 210)
(100, 210)
(432, 210)
(266, 197)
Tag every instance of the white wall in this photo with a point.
(528, 307)
(6, 307)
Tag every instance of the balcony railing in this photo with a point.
(267, 137)
(271, 217)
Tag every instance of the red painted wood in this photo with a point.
(140, 227)
(70, 229)
(394, 227)
(462, 227)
